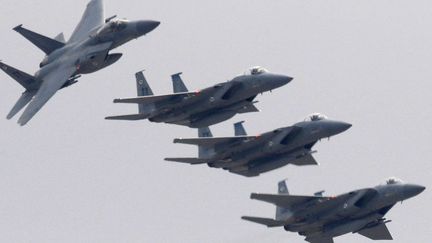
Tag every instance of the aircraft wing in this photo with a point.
(51, 83)
(286, 201)
(319, 240)
(265, 221)
(157, 98)
(192, 161)
(379, 232)
(308, 159)
(212, 141)
(132, 117)
(93, 17)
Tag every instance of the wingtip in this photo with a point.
(176, 74)
(116, 100)
(140, 71)
(17, 27)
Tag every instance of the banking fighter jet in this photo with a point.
(86, 51)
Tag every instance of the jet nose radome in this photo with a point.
(145, 26)
(277, 80)
(336, 127)
(284, 80)
(411, 190)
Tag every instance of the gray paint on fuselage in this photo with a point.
(253, 155)
(214, 104)
(328, 217)
(216, 110)
(87, 51)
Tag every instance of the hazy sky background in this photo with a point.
(71, 176)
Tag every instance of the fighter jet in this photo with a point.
(86, 51)
(320, 218)
(252, 155)
(203, 107)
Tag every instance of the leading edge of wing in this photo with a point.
(211, 141)
(192, 161)
(154, 98)
(93, 17)
(286, 201)
(264, 221)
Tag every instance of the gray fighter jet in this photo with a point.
(251, 155)
(204, 107)
(321, 218)
(86, 51)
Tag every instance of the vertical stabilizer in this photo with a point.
(204, 152)
(143, 89)
(239, 129)
(280, 211)
(178, 84)
(60, 38)
(204, 132)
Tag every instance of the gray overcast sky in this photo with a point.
(71, 176)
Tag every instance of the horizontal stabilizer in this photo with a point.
(156, 98)
(26, 80)
(210, 142)
(378, 232)
(60, 37)
(44, 43)
(192, 161)
(308, 159)
(285, 201)
(132, 117)
(265, 221)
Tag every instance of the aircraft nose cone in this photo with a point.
(279, 80)
(413, 190)
(286, 79)
(145, 26)
(338, 127)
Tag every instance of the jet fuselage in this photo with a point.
(91, 54)
(354, 213)
(215, 105)
(277, 148)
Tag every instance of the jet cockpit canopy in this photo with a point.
(256, 70)
(114, 25)
(316, 117)
(393, 180)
